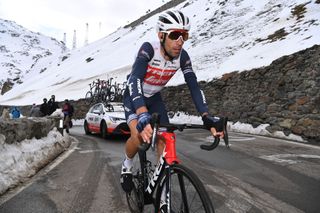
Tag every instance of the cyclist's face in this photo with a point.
(173, 47)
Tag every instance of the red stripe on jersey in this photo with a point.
(158, 77)
(158, 69)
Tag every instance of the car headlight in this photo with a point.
(114, 119)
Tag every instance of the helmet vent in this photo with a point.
(165, 20)
(173, 16)
(182, 17)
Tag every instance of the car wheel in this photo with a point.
(103, 129)
(86, 128)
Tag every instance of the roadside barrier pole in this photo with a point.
(60, 129)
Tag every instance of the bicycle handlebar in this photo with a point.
(155, 123)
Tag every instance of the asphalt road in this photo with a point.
(256, 174)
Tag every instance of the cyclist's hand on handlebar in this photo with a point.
(146, 133)
(214, 124)
(144, 127)
(216, 134)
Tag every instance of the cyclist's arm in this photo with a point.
(136, 77)
(191, 80)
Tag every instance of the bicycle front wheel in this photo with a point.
(187, 193)
(88, 98)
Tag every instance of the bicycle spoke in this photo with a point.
(185, 195)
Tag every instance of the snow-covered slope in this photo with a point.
(21, 49)
(226, 36)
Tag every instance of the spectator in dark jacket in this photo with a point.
(52, 105)
(44, 108)
(67, 110)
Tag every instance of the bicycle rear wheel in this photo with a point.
(187, 192)
(88, 97)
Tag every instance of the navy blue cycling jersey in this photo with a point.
(151, 72)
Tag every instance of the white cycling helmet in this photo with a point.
(172, 19)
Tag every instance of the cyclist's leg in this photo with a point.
(131, 147)
(135, 196)
(67, 123)
(156, 104)
(133, 142)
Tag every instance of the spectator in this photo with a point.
(15, 112)
(52, 105)
(67, 110)
(44, 108)
(5, 114)
(35, 111)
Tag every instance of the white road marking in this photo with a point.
(241, 196)
(90, 151)
(288, 158)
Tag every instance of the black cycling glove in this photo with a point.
(216, 122)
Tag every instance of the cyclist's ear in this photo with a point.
(160, 35)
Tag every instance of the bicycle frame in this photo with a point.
(167, 158)
(169, 179)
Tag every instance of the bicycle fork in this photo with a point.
(167, 158)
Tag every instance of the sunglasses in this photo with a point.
(175, 35)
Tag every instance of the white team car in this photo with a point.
(106, 119)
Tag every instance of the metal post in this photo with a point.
(60, 128)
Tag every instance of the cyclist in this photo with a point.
(154, 66)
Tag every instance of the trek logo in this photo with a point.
(139, 86)
(203, 97)
(156, 174)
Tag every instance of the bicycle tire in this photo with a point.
(88, 98)
(103, 130)
(86, 128)
(187, 192)
(135, 198)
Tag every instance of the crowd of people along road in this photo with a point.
(48, 107)
(45, 109)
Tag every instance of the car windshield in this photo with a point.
(114, 107)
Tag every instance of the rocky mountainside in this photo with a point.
(21, 50)
(284, 95)
(258, 63)
(226, 36)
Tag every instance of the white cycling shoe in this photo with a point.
(126, 178)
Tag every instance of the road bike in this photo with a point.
(96, 92)
(169, 183)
